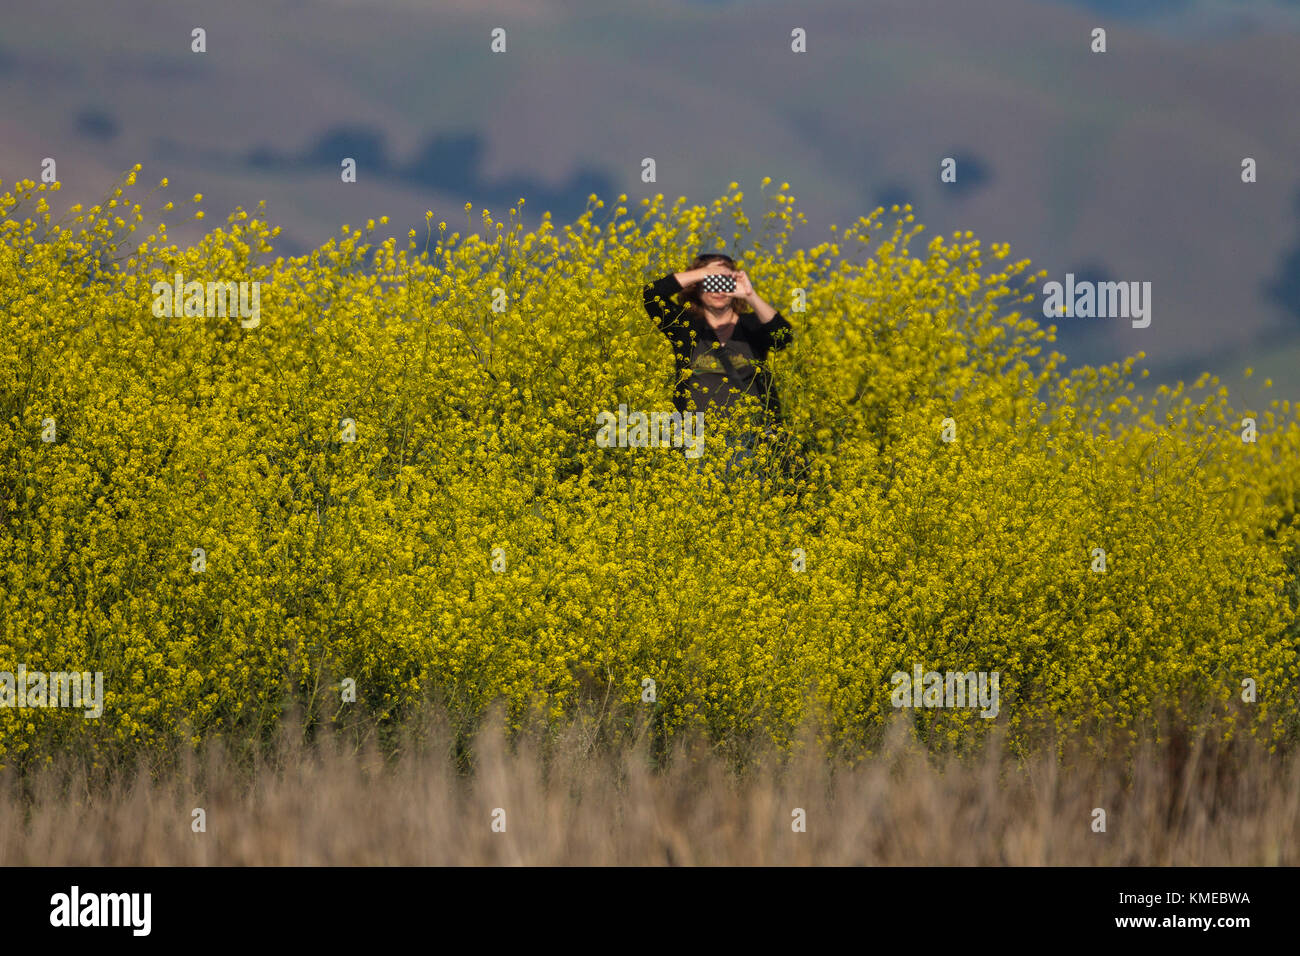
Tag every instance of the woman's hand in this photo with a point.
(743, 289)
(693, 276)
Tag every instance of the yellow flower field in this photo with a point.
(385, 481)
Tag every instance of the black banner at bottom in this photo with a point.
(338, 905)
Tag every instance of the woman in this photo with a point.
(719, 346)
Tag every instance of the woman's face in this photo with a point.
(717, 300)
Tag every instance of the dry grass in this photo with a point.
(569, 802)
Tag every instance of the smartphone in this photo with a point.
(718, 284)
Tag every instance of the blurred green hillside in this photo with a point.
(1123, 165)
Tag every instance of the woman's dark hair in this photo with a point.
(690, 296)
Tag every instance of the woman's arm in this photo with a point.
(659, 304)
(744, 290)
(658, 296)
(778, 330)
(695, 275)
(765, 312)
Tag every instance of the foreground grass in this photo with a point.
(569, 801)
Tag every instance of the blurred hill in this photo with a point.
(1123, 165)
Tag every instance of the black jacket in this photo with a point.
(713, 374)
